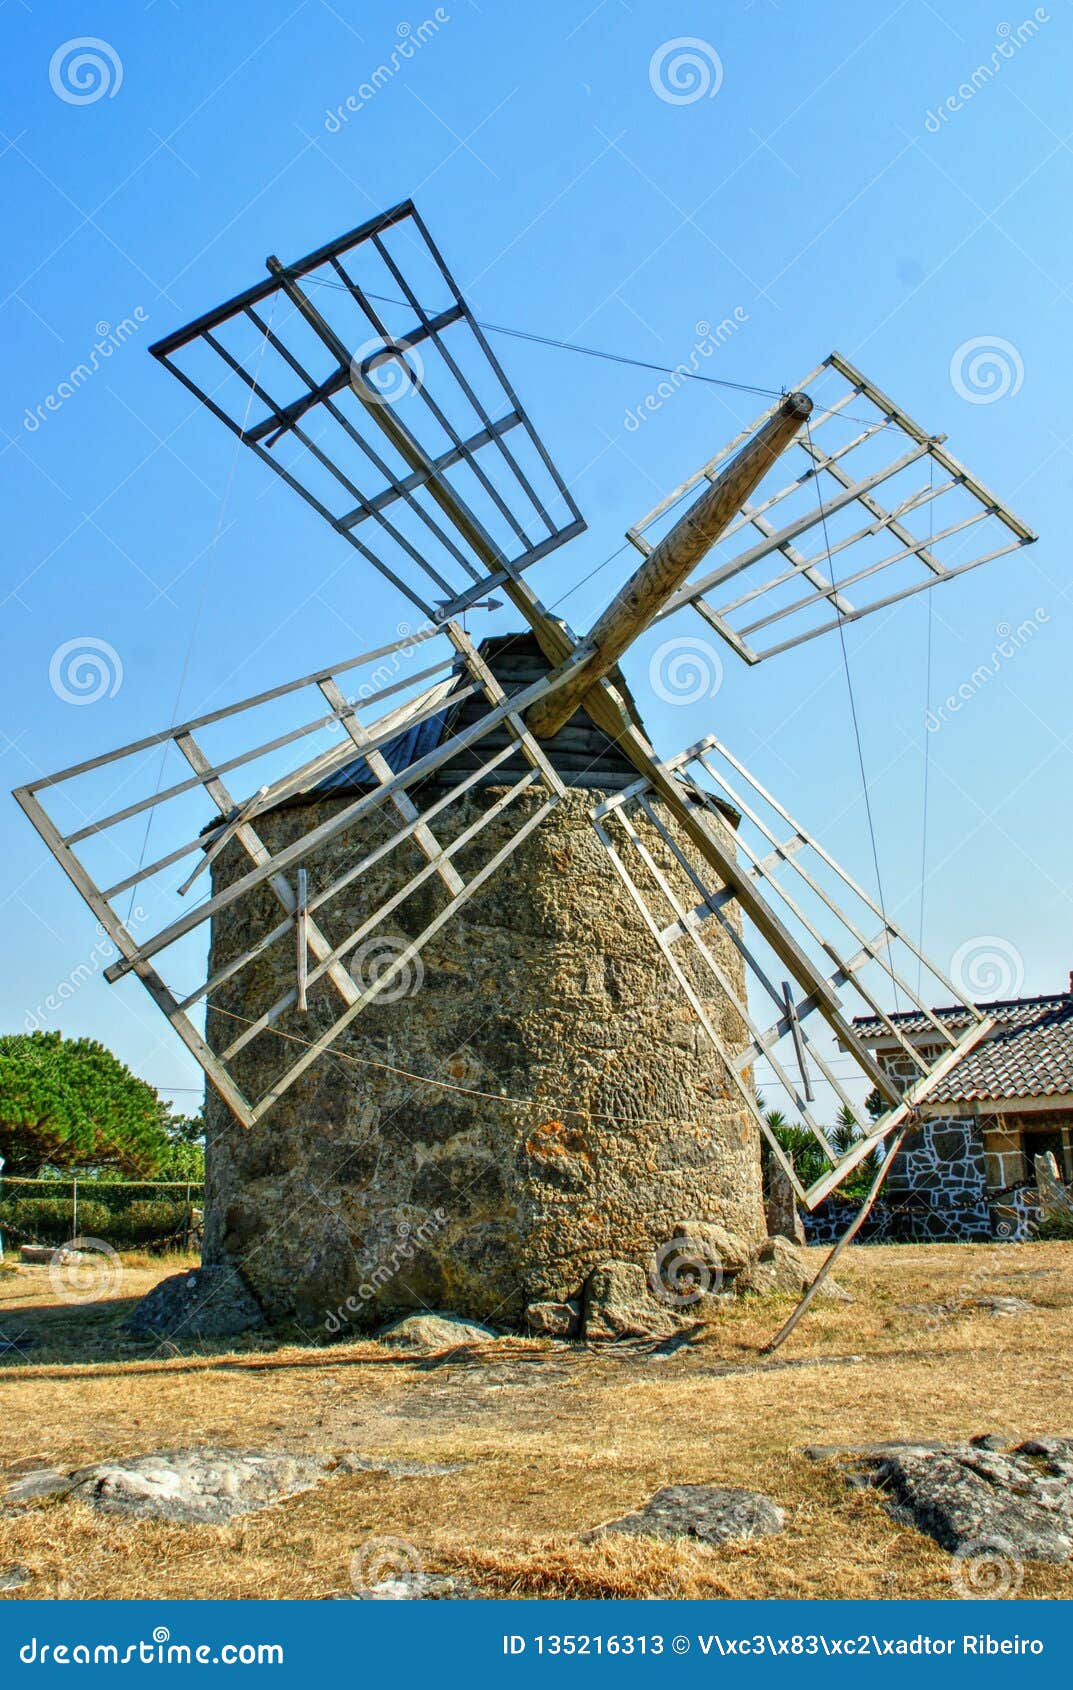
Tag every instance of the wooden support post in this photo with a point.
(799, 1043)
(847, 1238)
(671, 561)
(301, 929)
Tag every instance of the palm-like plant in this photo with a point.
(807, 1156)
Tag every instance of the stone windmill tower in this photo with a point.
(480, 981)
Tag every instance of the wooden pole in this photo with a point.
(671, 561)
(847, 1238)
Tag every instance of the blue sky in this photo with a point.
(814, 191)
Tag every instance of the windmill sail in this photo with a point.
(842, 953)
(878, 510)
(360, 375)
(316, 763)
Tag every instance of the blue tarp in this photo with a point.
(406, 748)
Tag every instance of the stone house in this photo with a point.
(968, 1172)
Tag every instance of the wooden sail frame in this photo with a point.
(854, 502)
(831, 917)
(148, 949)
(409, 479)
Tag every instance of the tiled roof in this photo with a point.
(1030, 1053)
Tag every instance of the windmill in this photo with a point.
(495, 815)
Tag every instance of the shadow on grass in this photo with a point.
(41, 1327)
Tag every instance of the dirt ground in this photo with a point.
(553, 1439)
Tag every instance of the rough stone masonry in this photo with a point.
(362, 1193)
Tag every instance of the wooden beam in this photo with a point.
(605, 707)
(301, 930)
(553, 636)
(670, 563)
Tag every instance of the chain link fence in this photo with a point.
(149, 1215)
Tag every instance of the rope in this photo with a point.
(199, 607)
(596, 352)
(856, 723)
(586, 578)
(448, 1085)
(927, 738)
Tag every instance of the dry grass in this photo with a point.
(555, 1440)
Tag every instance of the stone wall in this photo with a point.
(941, 1168)
(1004, 1161)
(362, 1193)
(1012, 1139)
(936, 1192)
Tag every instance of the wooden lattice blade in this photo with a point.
(819, 952)
(361, 827)
(360, 376)
(874, 510)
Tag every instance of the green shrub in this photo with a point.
(124, 1223)
(47, 1220)
(144, 1222)
(1057, 1227)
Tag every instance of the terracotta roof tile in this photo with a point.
(1030, 1053)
